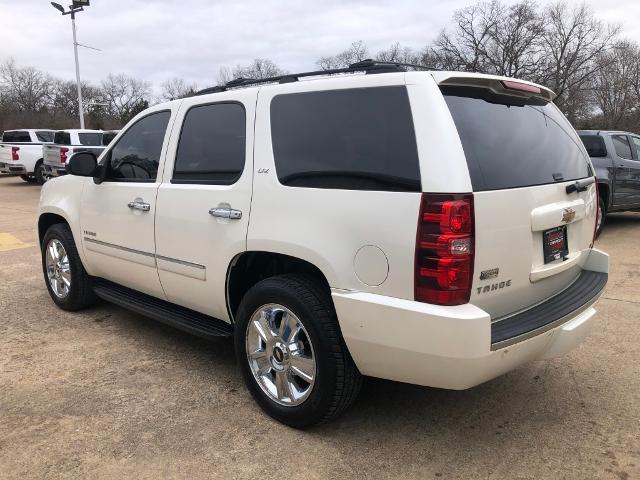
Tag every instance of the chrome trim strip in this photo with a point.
(181, 262)
(118, 247)
(146, 254)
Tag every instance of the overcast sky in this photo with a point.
(158, 39)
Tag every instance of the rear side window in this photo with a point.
(16, 137)
(511, 143)
(212, 145)
(353, 139)
(62, 138)
(594, 145)
(92, 139)
(44, 136)
(622, 146)
(136, 156)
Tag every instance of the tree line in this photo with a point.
(592, 68)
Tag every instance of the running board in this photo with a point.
(182, 318)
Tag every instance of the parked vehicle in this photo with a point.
(108, 136)
(21, 153)
(434, 228)
(615, 156)
(65, 144)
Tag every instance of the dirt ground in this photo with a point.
(106, 393)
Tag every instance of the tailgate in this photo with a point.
(5, 153)
(532, 233)
(51, 155)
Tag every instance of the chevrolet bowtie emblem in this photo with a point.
(568, 214)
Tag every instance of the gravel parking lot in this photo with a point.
(106, 393)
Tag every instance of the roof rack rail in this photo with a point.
(368, 66)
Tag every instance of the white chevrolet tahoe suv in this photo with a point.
(434, 228)
(21, 153)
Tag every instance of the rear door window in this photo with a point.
(16, 137)
(353, 139)
(622, 146)
(636, 144)
(45, 136)
(62, 138)
(595, 145)
(212, 145)
(510, 143)
(92, 139)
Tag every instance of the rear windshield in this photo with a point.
(509, 143)
(90, 139)
(594, 145)
(44, 135)
(62, 138)
(16, 137)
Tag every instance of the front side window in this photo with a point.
(62, 138)
(636, 143)
(212, 145)
(352, 139)
(92, 139)
(16, 137)
(136, 156)
(622, 146)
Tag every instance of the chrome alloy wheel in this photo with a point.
(58, 270)
(280, 355)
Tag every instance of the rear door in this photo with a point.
(204, 201)
(532, 236)
(625, 165)
(634, 172)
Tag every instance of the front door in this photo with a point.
(204, 200)
(634, 173)
(117, 215)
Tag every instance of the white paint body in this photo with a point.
(28, 155)
(362, 241)
(51, 152)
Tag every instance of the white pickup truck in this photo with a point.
(66, 143)
(21, 153)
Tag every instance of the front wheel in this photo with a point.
(68, 283)
(293, 358)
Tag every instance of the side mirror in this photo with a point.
(82, 164)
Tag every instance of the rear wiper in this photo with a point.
(580, 185)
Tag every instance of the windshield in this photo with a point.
(510, 143)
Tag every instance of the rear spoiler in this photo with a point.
(500, 85)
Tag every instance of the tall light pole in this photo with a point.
(76, 7)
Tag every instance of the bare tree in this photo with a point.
(27, 88)
(175, 88)
(125, 96)
(258, 69)
(572, 40)
(356, 52)
(613, 84)
(398, 53)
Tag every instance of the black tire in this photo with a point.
(38, 173)
(603, 210)
(26, 178)
(80, 293)
(337, 381)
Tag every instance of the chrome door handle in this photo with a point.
(226, 213)
(145, 207)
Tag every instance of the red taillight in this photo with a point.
(63, 154)
(444, 249)
(14, 153)
(523, 87)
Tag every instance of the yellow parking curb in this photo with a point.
(10, 242)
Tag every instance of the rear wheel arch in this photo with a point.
(249, 268)
(605, 193)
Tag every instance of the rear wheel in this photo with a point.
(291, 352)
(38, 173)
(68, 283)
(26, 178)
